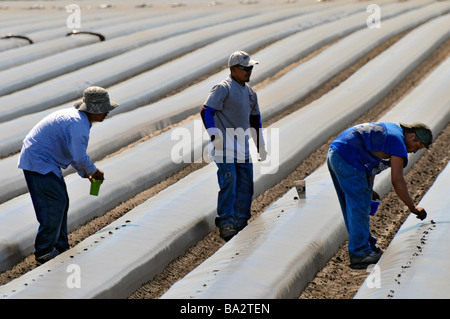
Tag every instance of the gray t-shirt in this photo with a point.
(234, 104)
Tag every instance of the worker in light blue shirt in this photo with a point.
(57, 141)
(354, 158)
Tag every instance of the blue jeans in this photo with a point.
(51, 203)
(354, 191)
(235, 195)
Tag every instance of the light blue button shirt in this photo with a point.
(57, 141)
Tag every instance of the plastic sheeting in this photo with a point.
(52, 28)
(416, 263)
(48, 27)
(114, 259)
(277, 254)
(120, 27)
(20, 128)
(128, 252)
(122, 127)
(410, 267)
(76, 58)
(283, 248)
(129, 127)
(163, 79)
(122, 186)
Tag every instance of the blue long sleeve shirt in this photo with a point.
(57, 141)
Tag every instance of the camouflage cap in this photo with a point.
(95, 100)
(422, 131)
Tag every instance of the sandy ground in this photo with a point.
(336, 280)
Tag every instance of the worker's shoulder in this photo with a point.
(71, 117)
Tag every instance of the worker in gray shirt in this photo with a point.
(231, 116)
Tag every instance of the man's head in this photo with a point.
(241, 66)
(95, 103)
(417, 136)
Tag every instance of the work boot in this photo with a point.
(227, 232)
(240, 224)
(48, 256)
(364, 261)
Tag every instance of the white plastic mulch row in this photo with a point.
(130, 126)
(17, 241)
(116, 260)
(416, 263)
(282, 249)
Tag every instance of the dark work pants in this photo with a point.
(51, 203)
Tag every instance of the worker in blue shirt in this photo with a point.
(354, 158)
(57, 141)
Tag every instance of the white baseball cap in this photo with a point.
(241, 58)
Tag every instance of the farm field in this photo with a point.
(324, 66)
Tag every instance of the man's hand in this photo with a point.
(420, 212)
(99, 175)
(375, 196)
(400, 187)
(262, 154)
